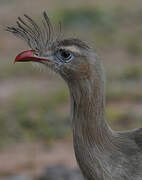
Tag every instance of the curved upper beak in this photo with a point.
(28, 55)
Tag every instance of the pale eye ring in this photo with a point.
(64, 55)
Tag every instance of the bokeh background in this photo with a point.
(35, 127)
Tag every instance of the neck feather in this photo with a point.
(88, 108)
(91, 133)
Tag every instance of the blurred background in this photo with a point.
(35, 127)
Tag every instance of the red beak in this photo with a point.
(28, 55)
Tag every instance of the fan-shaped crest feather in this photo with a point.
(37, 37)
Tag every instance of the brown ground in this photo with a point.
(32, 159)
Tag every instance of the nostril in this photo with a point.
(36, 53)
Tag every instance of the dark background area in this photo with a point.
(35, 127)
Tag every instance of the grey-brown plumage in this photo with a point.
(102, 153)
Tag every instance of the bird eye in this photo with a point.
(64, 55)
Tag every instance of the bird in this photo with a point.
(101, 152)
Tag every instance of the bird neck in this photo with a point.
(88, 109)
(91, 133)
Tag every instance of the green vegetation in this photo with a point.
(122, 119)
(90, 17)
(33, 117)
(134, 45)
(130, 73)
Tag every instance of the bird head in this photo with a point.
(71, 58)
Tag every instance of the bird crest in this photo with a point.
(37, 37)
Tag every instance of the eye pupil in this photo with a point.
(65, 54)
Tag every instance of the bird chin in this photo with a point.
(39, 66)
(42, 66)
